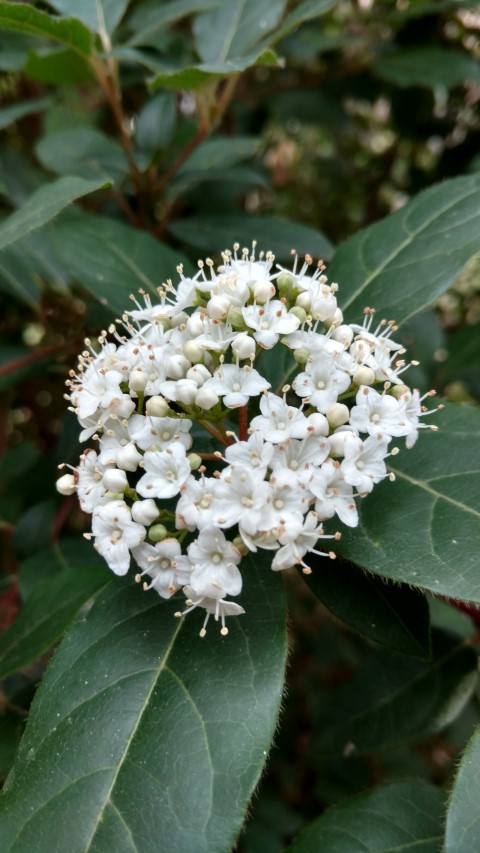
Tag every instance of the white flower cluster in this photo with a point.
(197, 364)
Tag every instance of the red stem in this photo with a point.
(31, 358)
(243, 423)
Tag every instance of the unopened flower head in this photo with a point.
(198, 363)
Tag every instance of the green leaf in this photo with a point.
(112, 260)
(236, 180)
(8, 115)
(83, 151)
(392, 700)
(424, 528)
(148, 731)
(101, 16)
(44, 205)
(305, 11)
(428, 66)
(149, 19)
(29, 263)
(23, 18)
(215, 232)
(404, 816)
(58, 66)
(221, 153)
(402, 263)
(50, 562)
(196, 76)
(233, 29)
(48, 612)
(394, 616)
(156, 123)
(463, 816)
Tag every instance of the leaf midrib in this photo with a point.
(422, 484)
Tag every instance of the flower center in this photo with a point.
(216, 558)
(278, 504)
(164, 564)
(247, 502)
(206, 501)
(320, 384)
(375, 418)
(280, 425)
(236, 386)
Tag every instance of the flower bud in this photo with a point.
(66, 485)
(244, 346)
(195, 325)
(157, 533)
(179, 319)
(195, 461)
(144, 512)
(137, 380)
(337, 415)
(206, 399)
(263, 291)
(157, 407)
(298, 312)
(335, 320)
(303, 301)
(186, 391)
(343, 334)
(364, 376)
(115, 480)
(240, 546)
(319, 424)
(399, 390)
(218, 307)
(193, 352)
(199, 374)
(236, 318)
(338, 438)
(301, 356)
(128, 458)
(285, 282)
(176, 366)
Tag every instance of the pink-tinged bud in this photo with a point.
(263, 291)
(115, 480)
(66, 485)
(144, 512)
(157, 407)
(318, 424)
(218, 307)
(128, 458)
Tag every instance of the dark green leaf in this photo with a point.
(197, 76)
(424, 528)
(149, 19)
(27, 265)
(83, 151)
(8, 115)
(305, 11)
(402, 263)
(404, 816)
(394, 616)
(215, 232)
(48, 612)
(58, 67)
(112, 260)
(14, 48)
(34, 527)
(221, 153)
(233, 29)
(428, 66)
(463, 815)
(44, 205)
(23, 18)
(237, 180)
(392, 700)
(148, 731)
(50, 562)
(101, 16)
(11, 729)
(156, 123)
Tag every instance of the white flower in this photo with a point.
(240, 497)
(236, 384)
(269, 321)
(292, 553)
(254, 453)
(278, 421)
(376, 413)
(159, 433)
(101, 390)
(333, 494)
(116, 534)
(165, 472)
(286, 506)
(364, 462)
(321, 382)
(214, 560)
(216, 607)
(90, 485)
(195, 507)
(300, 456)
(165, 564)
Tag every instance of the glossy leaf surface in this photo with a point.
(24, 18)
(463, 816)
(148, 731)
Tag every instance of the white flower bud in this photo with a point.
(343, 334)
(319, 424)
(337, 440)
(193, 352)
(115, 480)
(206, 399)
(338, 414)
(66, 485)
(186, 391)
(176, 366)
(195, 325)
(199, 374)
(157, 407)
(299, 313)
(137, 380)
(236, 318)
(336, 319)
(285, 282)
(263, 291)
(179, 319)
(128, 458)
(144, 511)
(157, 533)
(399, 390)
(194, 461)
(301, 356)
(360, 350)
(303, 301)
(364, 376)
(218, 307)
(244, 346)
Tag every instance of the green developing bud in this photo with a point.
(157, 532)
(195, 461)
(284, 284)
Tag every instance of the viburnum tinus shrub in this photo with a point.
(290, 463)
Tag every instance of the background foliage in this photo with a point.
(133, 136)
